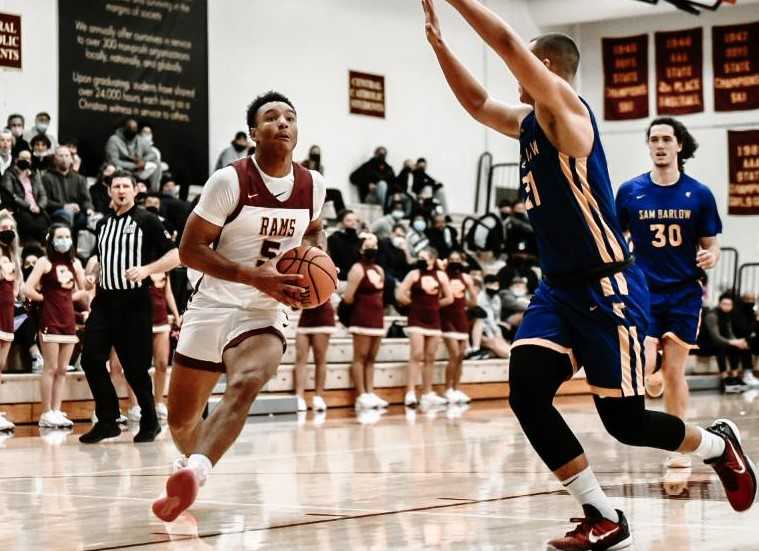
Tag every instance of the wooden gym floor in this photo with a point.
(454, 480)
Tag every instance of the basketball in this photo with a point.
(318, 271)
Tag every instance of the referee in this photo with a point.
(131, 245)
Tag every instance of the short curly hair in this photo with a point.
(684, 138)
(262, 100)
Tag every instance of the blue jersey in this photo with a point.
(666, 224)
(570, 204)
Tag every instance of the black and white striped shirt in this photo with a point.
(135, 238)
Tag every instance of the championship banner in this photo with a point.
(625, 63)
(743, 154)
(679, 72)
(366, 94)
(10, 41)
(144, 60)
(735, 56)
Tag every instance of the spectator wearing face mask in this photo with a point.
(152, 204)
(175, 210)
(236, 150)
(343, 245)
(394, 259)
(53, 281)
(373, 178)
(425, 186)
(42, 160)
(514, 302)
(520, 237)
(314, 159)
(68, 196)
(40, 128)
(443, 237)
(30, 199)
(6, 145)
(416, 238)
(488, 332)
(16, 126)
(383, 226)
(101, 199)
(129, 151)
(146, 133)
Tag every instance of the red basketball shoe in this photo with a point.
(594, 533)
(181, 491)
(735, 469)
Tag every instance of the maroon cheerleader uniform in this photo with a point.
(58, 319)
(7, 304)
(159, 305)
(368, 311)
(317, 321)
(453, 318)
(424, 311)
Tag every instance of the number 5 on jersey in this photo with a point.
(269, 249)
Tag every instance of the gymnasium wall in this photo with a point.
(625, 140)
(305, 49)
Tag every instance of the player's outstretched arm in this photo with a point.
(195, 252)
(555, 99)
(472, 96)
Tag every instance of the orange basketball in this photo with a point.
(318, 271)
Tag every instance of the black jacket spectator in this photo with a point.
(100, 199)
(422, 179)
(520, 237)
(443, 237)
(392, 259)
(29, 211)
(372, 171)
(343, 247)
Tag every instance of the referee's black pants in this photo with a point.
(121, 319)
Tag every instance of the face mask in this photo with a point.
(148, 138)
(154, 210)
(399, 241)
(419, 225)
(129, 134)
(381, 157)
(41, 127)
(504, 215)
(23, 164)
(7, 237)
(17, 131)
(369, 254)
(491, 292)
(454, 267)
(315, 157)
(26, 272)
(421, 265)
(39, 154)
(239, 148)
(351, 232)
(397, 214)
(62, 244)
(519, 290)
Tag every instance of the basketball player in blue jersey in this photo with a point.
(591, 309)
(673, 222)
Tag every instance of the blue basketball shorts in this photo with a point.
(600, 327)
(676, 314)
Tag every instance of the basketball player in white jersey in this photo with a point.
(249, 214)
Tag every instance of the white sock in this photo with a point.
(585, 488)
(201, 465)
(711, 445)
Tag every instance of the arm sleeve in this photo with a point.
(709, 222)
(320, 194)
(219, 197)
(157, 236)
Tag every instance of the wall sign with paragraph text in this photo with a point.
(366, 94)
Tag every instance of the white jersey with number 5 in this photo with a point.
(261, 217)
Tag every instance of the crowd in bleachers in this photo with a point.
(465, 288)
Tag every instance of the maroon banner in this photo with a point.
(625, 62)
(735, 56)
(679, 72)
(366, 94)
(10, 41)
(743, 154)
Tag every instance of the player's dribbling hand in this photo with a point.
(283, 288)
(705, 259)
(431, 23)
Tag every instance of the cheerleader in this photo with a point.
(426, 289)
(10, 285)
(455, 326)
(366, 281)
(52, 282)
(315, 327)
(162, 300)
